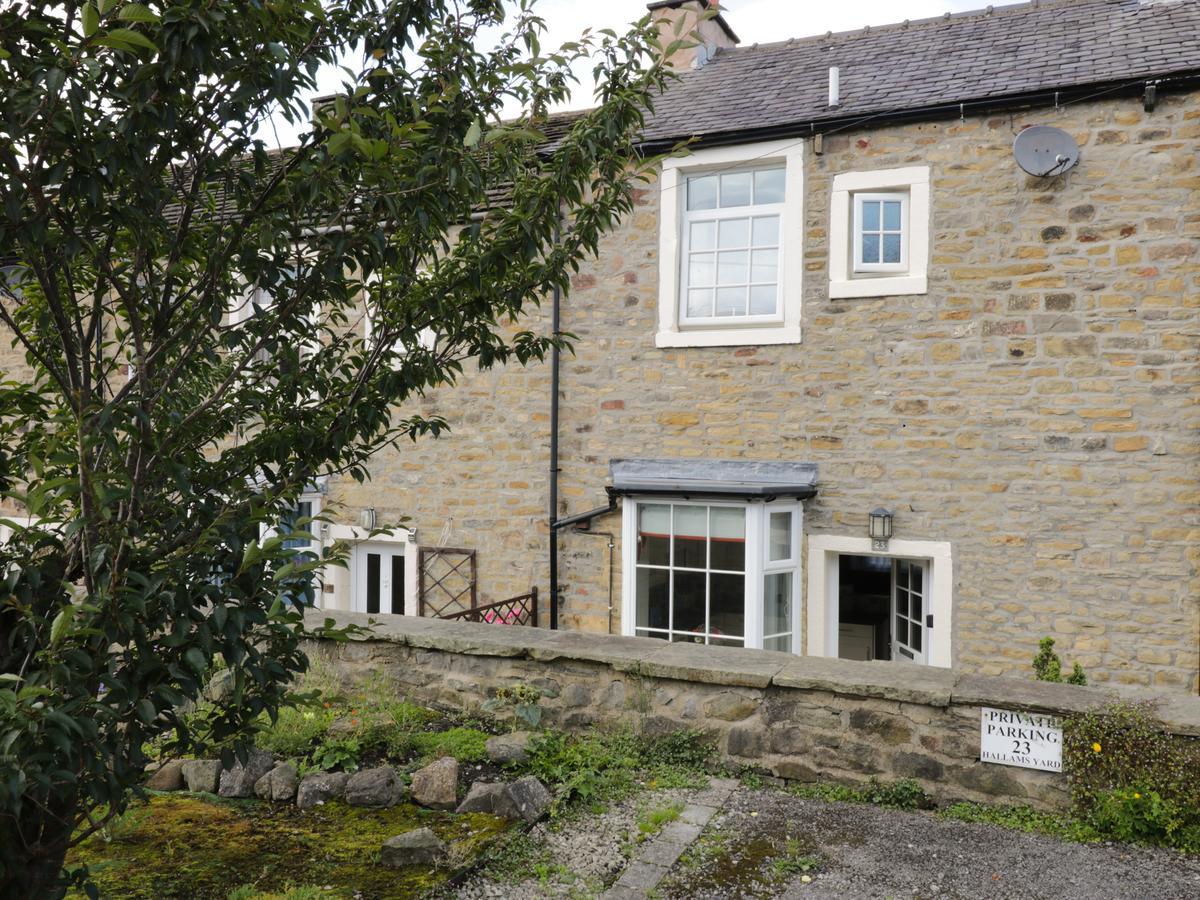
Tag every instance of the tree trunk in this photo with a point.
(32, 852)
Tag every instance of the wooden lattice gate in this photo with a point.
(446, 583)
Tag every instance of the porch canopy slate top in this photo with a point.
(714, 477)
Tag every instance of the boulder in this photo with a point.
(505, 749)
(413, 848)
(219, 687)
(202, 775)
(167, 777)
(526, 798)
(239, 779)
(317, 789)
(278, 785)
(375, 788)
(436, 785)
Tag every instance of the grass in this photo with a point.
(1024, 818)
(904, 794)
(794, 861)
(651, 821)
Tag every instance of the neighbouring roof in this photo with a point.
(1003, 52)
(714, 477)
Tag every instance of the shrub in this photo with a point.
(1047, 666)
(1131, 779)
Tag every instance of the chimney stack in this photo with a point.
(683, 20)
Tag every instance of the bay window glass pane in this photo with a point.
(728, 539)
(764, 265)
(654, 529)
(763, 299)
(704, 236)
(870, 248)
(891, 215)
(691, 537)
(780, 538)
(768, 186)
(701, 269)
(734, 234)
(777, 603)
(735, 189)
(781, 642)
(870, 215)
(727, 605)
(700, 302)
(891, 248)
(766, 231)
(689, 601)
(732, 267)
(702, 192)
(731, 301)
(653, 597)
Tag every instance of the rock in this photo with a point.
(348, 726)
(278, 785)
(167, 777)
(239, 779)
(219, 686)
(317, 789)
(413, 848)
(530, 798)
(505, 749)
(202, 775)
(436, 785)
(376, 788)
(526, 798)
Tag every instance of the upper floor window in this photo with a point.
(730, 247)
(879, 233)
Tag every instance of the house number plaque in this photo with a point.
(1028, 740)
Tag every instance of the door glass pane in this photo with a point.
(777, 603)
(654, 529)
(902, 573)
(653, 594)
(691, 537)
(689, 601)
(372, 582)
(914, 636)
(728, 539)
(901, 602)
(768, 186)
(735, 189)
(398, 584)
(781, 537)
(917, 573)
(901, 636)
(702, 192)
(782, 642)
(727, 605)
(914, 611)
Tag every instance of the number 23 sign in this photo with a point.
(1029, 740)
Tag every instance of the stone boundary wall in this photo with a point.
(801, 718)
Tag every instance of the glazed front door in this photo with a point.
(379, 579)
(911, 619)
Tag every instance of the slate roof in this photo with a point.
(985, 55)
(714, 477)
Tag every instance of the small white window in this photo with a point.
(730, 245)
(879, 233)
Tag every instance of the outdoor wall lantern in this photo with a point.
(880, 528)
(367, 518)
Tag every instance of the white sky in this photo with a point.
(754, 21)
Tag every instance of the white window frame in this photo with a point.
(822, 611)
(905, 231)
(847, 277)
(757, 565)
(730, 331)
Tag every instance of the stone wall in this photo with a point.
(1036, 409)
(794, 717)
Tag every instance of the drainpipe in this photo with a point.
(556, 299)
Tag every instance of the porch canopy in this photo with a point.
(755, 479)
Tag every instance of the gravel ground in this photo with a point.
(577, 858)
(863, 851)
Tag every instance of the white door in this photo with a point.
(378, 578)
(911, 618)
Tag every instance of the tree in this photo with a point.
(151, 436)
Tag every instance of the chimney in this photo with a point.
(683, 20)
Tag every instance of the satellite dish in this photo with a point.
(1043, 151)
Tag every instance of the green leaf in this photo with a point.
(58, 628)
(106, 5)
(474, 133)
(195, 658)
(91, 20)
(126, 39)
(146, 711)
(136, 12)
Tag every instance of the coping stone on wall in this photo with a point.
(1028, 695)
(731, 666)
(885, 680)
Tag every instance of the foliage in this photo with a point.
(337, 753)
(1047, 666)
(651, 821)
(794, 860)
(158, 436)
(1023, 818)
(903, 794)
(522, 699)
(307, 892)
(1130, 778)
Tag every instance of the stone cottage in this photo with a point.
(875, 371)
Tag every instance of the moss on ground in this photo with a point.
(189, 846)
